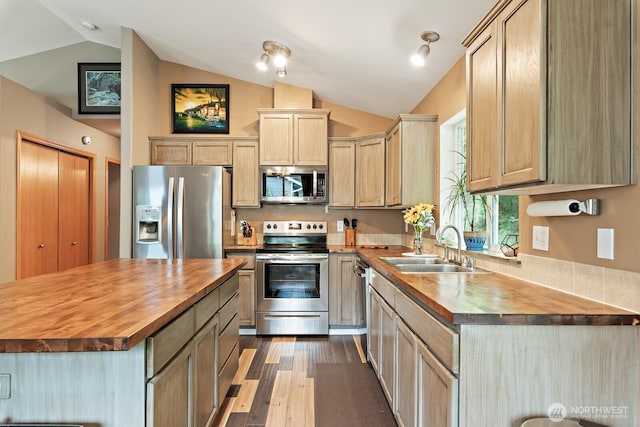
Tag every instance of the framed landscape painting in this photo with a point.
(200, 108)
(98, 88)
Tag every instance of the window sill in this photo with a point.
(484, 254)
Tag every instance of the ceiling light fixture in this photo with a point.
(279, 52)
(419, 58)
(89, 26)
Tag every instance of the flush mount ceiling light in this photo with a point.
(279, 52)
(418, 59)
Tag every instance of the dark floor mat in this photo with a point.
(348, 394)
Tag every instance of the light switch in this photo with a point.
(605, 243)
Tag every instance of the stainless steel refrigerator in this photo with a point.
(181, 211)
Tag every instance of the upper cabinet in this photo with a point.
(370, 168)
(342, 159)
(550, 105)
(411, 160)
(191, 151)
(293, 137)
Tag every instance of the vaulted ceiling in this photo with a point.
(349, 52)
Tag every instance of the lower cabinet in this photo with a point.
(192, 360)
(346, 292)
(247, 277)
(420, 389)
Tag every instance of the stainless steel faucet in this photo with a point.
(439, 234)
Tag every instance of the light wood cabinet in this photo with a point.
(342, 167)
(190, 151)
(411, 147)
(247, 277)
(370, 171)
(374, 332)
(346, 292)
(387, 366)
(437, 388)
(245, 177)
(293, 137)
(405, 408)
(190, 361)
(536, 122)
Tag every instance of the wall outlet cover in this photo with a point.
(540, 239)
(340, 226)
(605, 243)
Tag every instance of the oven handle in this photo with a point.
(290, 258)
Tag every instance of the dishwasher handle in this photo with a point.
(360, 269)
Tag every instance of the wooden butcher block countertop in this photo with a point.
(111, 305)
(495, 299)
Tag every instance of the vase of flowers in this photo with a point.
(421, 217)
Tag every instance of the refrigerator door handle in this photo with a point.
(170, 218)
(180, 219)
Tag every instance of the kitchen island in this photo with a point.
(484, 349)
(117, 343)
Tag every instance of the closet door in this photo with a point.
(38, 210)
(73, 222)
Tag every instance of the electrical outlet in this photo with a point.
(540, 239)
(5, 386)
(340, 226)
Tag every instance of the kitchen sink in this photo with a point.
(428, 265)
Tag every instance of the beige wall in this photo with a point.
(24, 110)
(570, 238)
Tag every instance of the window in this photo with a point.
(503, 218)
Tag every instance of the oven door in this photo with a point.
(292, 282)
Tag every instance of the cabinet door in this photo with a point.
(342, 158)
(247, 309)
(345, 301)
(482, 119)
(38, 210)
(387, 364)
(276, 139)
(437, 392)
(74, 212)
(405, 408)
(393, 190)
(521, 94)
(246, 188)
(215, 153)
(170, 152)
(205, 378)
(374, 329)
(170, 394)
(370, 172)
(310, 139)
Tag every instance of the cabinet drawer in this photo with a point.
(228, 339)
(229, 310)
(206, 308)
(249, 256)
(441, 340)
(384, 287)
(228, 288)
(227, 373)
(165, 343)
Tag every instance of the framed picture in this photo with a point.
(98, 88)
(200, 108)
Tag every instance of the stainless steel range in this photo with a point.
(292, 279)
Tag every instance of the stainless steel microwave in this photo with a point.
(293, 184)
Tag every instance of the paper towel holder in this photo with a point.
(573, 207)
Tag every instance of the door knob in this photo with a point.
(41, 246)
(74, 243)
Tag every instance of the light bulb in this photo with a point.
(262, 62)
(279, 60)
(418, 59)
(282, 72)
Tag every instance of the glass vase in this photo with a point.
(417, 242)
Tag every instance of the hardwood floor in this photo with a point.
(276, 383)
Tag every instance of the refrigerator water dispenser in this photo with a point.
(148, 224)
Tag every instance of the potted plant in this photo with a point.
(474, 208)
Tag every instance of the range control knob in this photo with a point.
(275, 226)
(268, 226)
(315, 226)
(308, 226)
(321, 226)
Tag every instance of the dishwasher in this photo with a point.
(362, 270)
